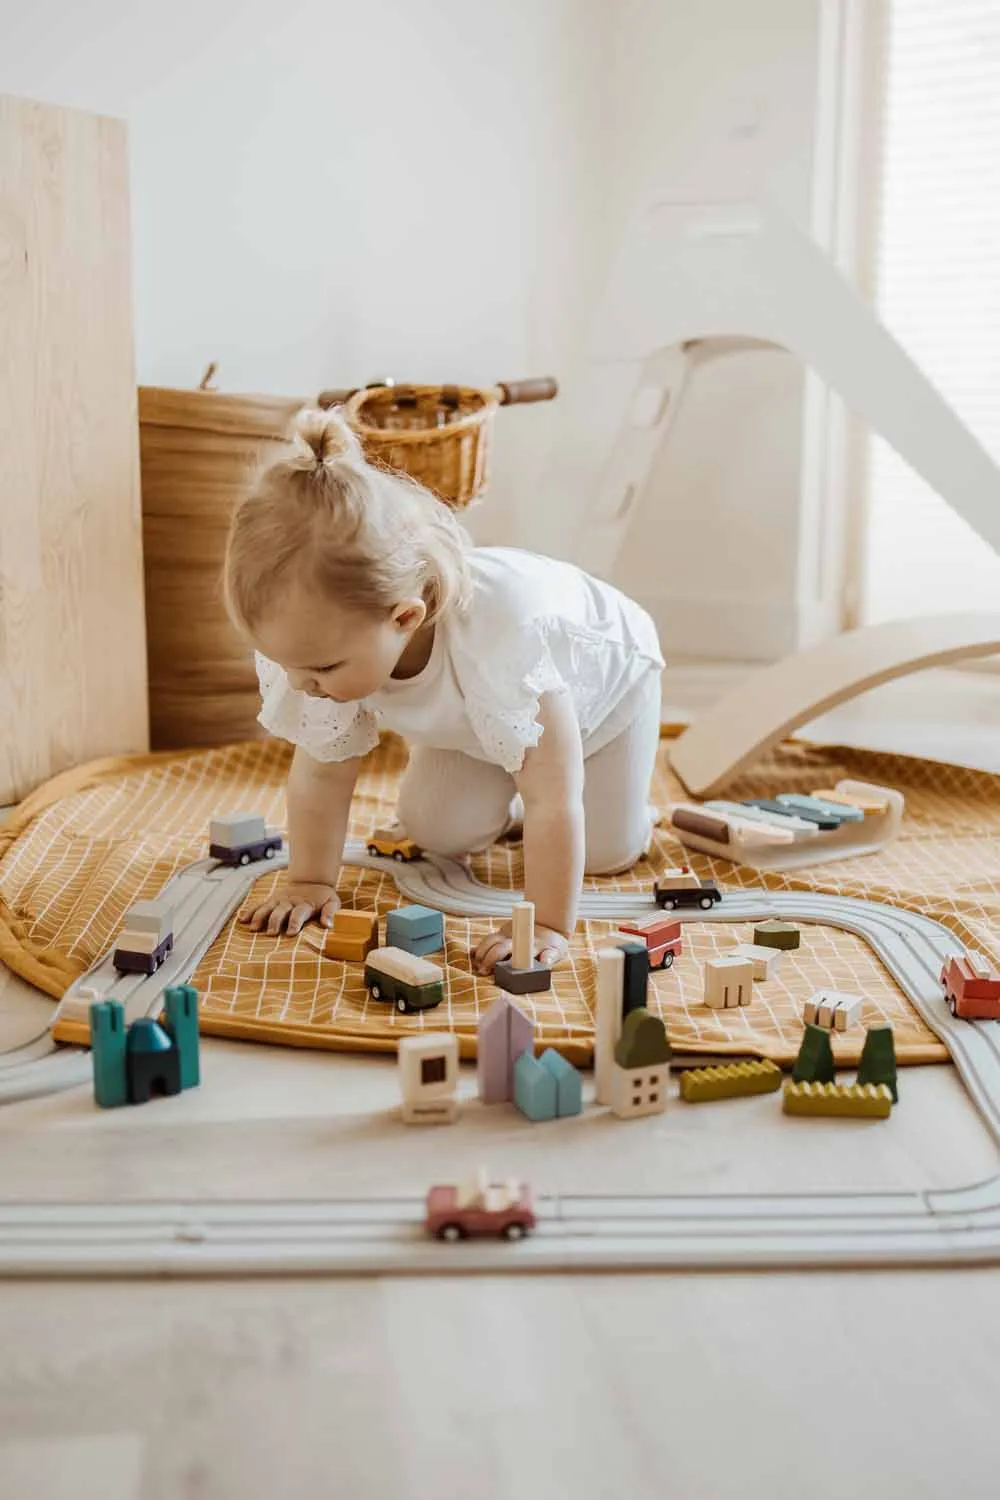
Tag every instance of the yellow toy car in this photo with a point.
(389, 842)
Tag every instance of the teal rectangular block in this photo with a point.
(107, 1041)
(569, 1084)
(534, 1089)
(415, 929)
(180, 1003)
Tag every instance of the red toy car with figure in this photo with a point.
(972, 987)
(479, 1206)
(661, 936)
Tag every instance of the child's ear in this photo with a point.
(409, 615)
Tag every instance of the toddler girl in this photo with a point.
(509, 675)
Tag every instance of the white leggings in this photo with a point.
(452, 804)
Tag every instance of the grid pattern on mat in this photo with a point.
(88, 845)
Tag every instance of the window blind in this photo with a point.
(937, 287)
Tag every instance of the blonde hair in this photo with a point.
(363, 536)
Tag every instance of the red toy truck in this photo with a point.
(972, 988)
(661, 936)
(479, 1206)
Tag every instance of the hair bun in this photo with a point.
(322, 437)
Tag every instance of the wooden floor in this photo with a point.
(686, 1386)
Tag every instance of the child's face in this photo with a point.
(333, 653)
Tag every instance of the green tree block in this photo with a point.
(814, 1063)
(181, 1007)
(878, 1059)
(643, 1042)
(107, 1041)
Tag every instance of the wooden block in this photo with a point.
(608, 1020)
(864, 794)
(503, 1034)
(731, 1081)
(776, 934)
(638, 1091)
(428, 1078)
(863, 1101)
(728, 982)
(523, 935)
(353, 935)
(833, 1009)
(528, 981)
(72, 617)
(765, 960)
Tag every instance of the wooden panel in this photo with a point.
(72, 634)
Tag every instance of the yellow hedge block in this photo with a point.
(730, 1081)
(865, 1101)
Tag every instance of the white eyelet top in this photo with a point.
(534, 626)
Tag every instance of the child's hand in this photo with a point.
(291, 907)
(550, 948)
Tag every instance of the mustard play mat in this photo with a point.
(89, 843)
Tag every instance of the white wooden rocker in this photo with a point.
(696, 281)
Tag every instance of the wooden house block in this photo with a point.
(728, 982)
(833, 1009)
(765, 960)
(504, 1033)
(428, 1078)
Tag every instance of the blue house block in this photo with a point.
(107, 1039)
(415, 929)
(569, 1084)
(534, 1089)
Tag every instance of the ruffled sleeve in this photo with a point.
(324, 729)
(502, 701)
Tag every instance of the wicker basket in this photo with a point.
(438, 434)
(199, 450)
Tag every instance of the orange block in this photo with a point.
(353, 935)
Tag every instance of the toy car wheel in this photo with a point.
(270, 852)
(452, 1233)
(667, 961)
(667, 903)
(244, 858)
(372, 850)
(706, 903)
(398, 854)
(375, 991)
(401, 1006)
(512, 1232)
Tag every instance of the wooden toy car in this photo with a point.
(238, 838)
(393, 845)
(681, 887)
(480, 1207)
(971, 988)
(661, 936)
(406, 981)
(146, 938)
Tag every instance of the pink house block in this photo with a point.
(504, 1033)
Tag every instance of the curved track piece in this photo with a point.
(771, 704)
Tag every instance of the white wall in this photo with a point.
(713, 101)
(325, 192)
